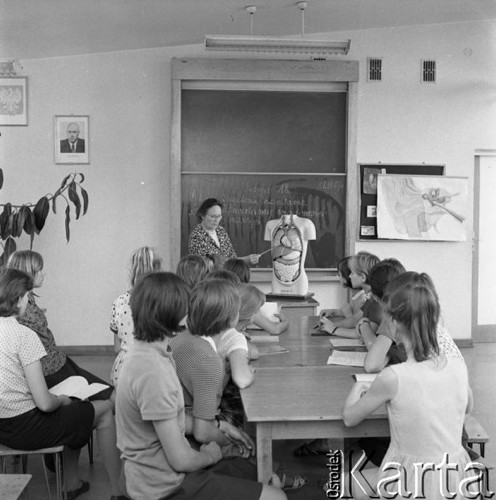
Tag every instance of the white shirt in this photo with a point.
(230, 341)
(19, 347)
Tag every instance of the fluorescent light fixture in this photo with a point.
(276, 44)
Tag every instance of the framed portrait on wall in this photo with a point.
(71, 137)
(14, 100)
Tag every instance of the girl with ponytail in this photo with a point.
(426, 398)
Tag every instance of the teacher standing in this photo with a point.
(209, 238)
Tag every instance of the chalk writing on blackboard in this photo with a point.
(253, 199)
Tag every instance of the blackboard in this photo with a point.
(250, 200)
(263, 131)
(368, 191)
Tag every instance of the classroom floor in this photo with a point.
(481, 362)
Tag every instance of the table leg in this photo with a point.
(264, 451)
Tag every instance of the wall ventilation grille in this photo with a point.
(374, 69)
(428, 71)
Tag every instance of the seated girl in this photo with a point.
(192, 269)
(151, 422)
(143, 261)
(234, 346)
(426, 399)
(56, 365)
(385, 344)
(356, 300)
(373, 317)
(236, 350)
(361, 265)
(213, 309)
(31, 417)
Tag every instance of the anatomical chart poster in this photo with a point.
(415, 207)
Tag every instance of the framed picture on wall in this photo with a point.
(417, 207)
(71, 135)
(13, 100)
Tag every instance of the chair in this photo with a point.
(57, 451)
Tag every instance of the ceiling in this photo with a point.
(31, 29)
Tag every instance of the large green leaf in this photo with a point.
(86, 200)
(40, 213)
(6, 221)
(1, 178)
(2, 222)
(67, 223)
(28, 221)
(15, 225)
(9, 248)
(74, 197)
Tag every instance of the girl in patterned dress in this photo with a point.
(143, 261)
(56, 365)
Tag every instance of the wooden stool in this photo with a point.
(5, 451)
(475, 433)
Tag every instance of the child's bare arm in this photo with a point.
(179, 453)
(367, 331)
(241, 371)
(331, 327)
(253, 351)
(273, 327)
(43, 399)
(349, 321)
(377, 357)
(363, 401)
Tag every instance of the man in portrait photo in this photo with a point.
(73, 143)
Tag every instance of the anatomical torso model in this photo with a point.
(289, 237)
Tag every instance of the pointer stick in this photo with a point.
(263, 253)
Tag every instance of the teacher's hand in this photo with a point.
(253, 258)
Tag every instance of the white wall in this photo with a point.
(127, 96)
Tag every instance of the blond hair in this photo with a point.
(362, 263)
(26, 260)
(252, 299)
(144, 261)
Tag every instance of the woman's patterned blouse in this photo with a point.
(200, 243)
(35, 319)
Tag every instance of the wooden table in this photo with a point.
(304, 349)
(297, 396)
(12, 485)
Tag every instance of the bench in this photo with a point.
(476, 433)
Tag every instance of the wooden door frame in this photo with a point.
(480, 333)
(267, 74)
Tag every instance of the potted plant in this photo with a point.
(31, 217)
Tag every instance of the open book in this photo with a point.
(347, 358)
(77, 387)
